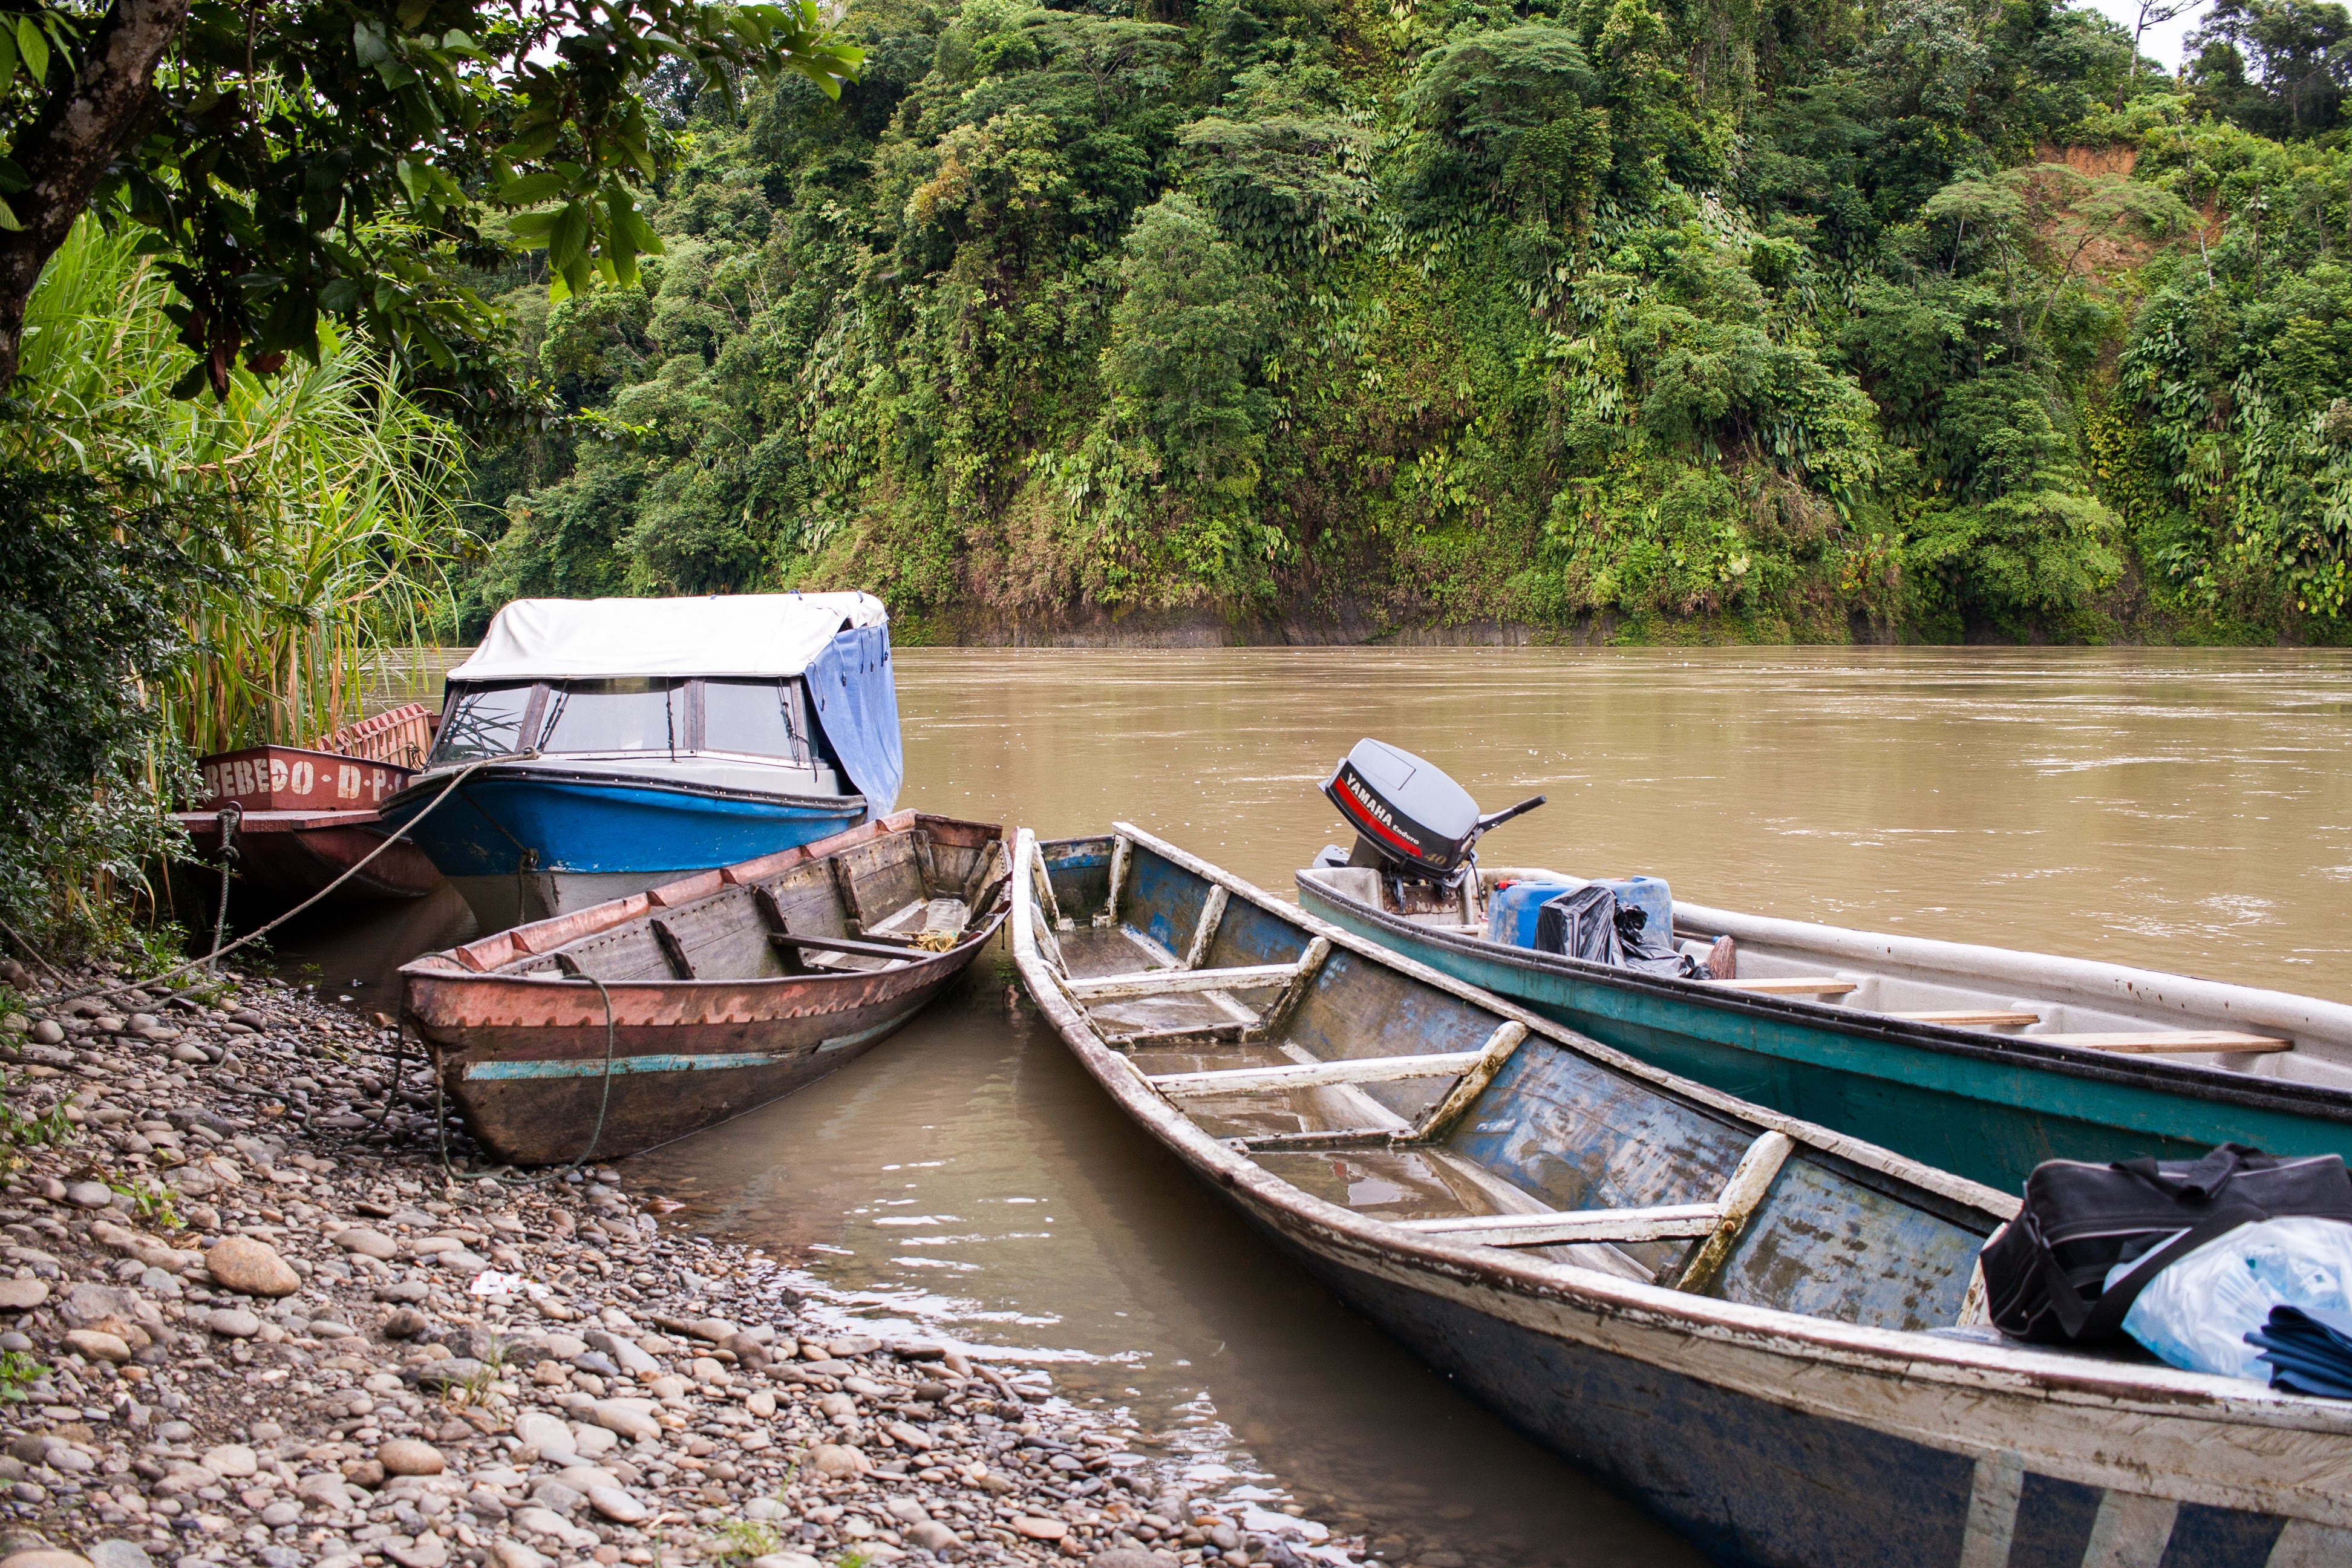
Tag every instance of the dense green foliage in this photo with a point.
(1670, 317)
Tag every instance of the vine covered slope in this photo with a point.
(1336, 318)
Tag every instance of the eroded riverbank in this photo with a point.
(254, 1319)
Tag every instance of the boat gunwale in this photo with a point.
(451, 965)
(2221, 1085)
(533, 772)
(2022, 1370)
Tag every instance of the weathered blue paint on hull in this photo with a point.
(1751, 1482)
(591, 826)
(1989, 1119)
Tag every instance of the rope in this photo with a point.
(232, 817)
(441, 1110)
(219, 953)
(607, 1098)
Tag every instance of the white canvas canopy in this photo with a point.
(722, 635)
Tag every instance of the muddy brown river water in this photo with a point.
(2182, 810)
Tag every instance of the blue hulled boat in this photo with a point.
(1977, 1060)
(609, 745)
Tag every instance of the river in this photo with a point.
(2187, 810)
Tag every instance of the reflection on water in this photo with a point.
(968, 1181)
(2186, 810)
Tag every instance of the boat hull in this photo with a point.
(284, 857)
(528, 1074)
(1989, 1109)
(1807, 1479)
(547, 1065)
(524, 844)
(1772, 1437)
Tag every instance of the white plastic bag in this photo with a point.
(2198, 1312)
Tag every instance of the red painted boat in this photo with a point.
(299, 818)
(634, 1022)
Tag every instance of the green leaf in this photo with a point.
(412, 13)
(8, 217)
(533, 227)
(7, 59)
(531, 189)
(34, 47)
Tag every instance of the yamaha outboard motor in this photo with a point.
(1411, 822)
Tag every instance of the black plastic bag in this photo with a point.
(1590, 925)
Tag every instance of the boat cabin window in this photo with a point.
(633, 714)
(754, 718)
(481, 722)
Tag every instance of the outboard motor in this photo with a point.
(1411, 822)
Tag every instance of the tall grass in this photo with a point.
(331, 494)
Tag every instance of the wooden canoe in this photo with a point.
(299, 819)
(1768, 1332)
(1974, 1060)
(621, 1027)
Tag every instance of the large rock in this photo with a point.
(1037, 1529)
(233, 1323)
(120, 1555)
(512, 1554)
(251, 1268)
(43, 1557)
(407, 1457)
(21, 1295)
(617, 1505)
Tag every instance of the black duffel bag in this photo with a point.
(2045, 1274)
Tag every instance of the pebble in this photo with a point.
(233, 1323)
(650, 1408)
(368, 1243)
(42, 1558)
(617, 1505)
(232, 1461)
(89, 1195)
(97, 1345)
(251, 1268)
(406, 1457)
(48, 1032)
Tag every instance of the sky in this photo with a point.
(2158, 43)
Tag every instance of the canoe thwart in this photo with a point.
(1742, 1195)
(1981, 1017)
(1790, 985)
(2152, 1042)
(1570, 1225)
(1310, 1075)
(1491, 1057)
(1171, 982)
(844, 945)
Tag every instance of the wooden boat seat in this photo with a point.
(1720, 1223)
(1984, 1017)
(1790, 985)
(1309, 1075)
(2153, 1042)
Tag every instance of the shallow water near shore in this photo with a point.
(2184, 810)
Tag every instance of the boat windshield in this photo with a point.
(752, 718)
(635, 715)
(480, 721)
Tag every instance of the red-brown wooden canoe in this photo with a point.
(725, 990)
(302, 818)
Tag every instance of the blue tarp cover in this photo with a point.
(857, 703)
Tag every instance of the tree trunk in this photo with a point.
(66, 152)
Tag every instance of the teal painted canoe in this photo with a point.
(1979, 1060)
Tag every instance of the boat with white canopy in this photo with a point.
(617, 745)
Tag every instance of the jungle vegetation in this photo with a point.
(1752, 319)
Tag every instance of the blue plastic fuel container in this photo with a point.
(1511, 911)
(1652, 898)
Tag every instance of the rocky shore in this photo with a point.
(250, 1316)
